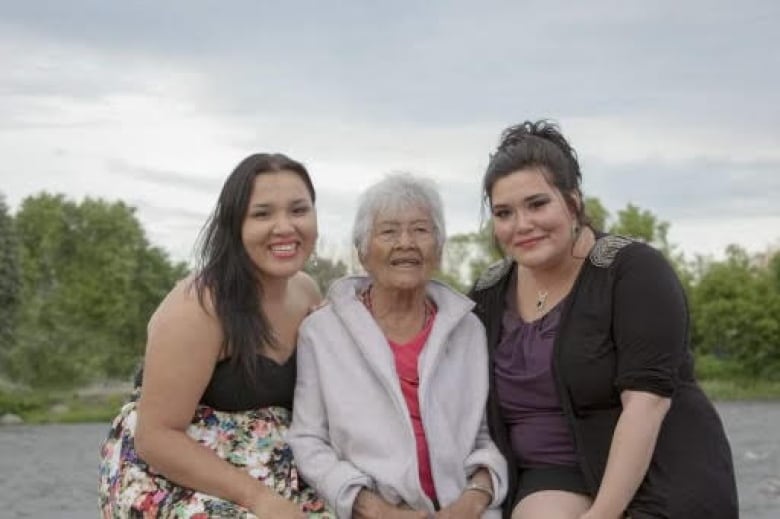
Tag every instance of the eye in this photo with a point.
(389, 234)
(260, 214)
(539, 203)
(501, 213)
(301, 210)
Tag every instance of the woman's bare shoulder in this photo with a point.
(186, 304)
(306, 289)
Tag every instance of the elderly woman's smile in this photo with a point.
(406, 262)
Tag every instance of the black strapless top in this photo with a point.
(273, 385)
(230, 390)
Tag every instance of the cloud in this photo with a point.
(164, 178)
(175, 229)
(710, 237)
(447, 62)
(672, 106)
(691, 188)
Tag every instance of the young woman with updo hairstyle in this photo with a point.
(593, 399)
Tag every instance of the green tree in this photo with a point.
(10, 282)
(596, 212)
(773, 269)
(735, 309)
(466, 256)
(90, 282)
(641, 224)
(44, 328)
(325, 271)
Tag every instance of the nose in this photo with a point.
(522, 223)
(405, 238)
(283, 225)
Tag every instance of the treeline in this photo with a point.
(79, 281)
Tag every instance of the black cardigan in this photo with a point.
(624, 326)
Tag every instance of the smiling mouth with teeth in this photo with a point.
(288, 249)
(402, 262)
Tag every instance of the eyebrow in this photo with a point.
(264, 205)
(530, 198)
(398, 222)
(535, 197)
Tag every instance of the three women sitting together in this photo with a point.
(561, 387)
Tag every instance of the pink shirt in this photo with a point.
(406, 356)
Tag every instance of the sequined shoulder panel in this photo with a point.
(493, 273)
(606, 249)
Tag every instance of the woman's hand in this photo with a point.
(271, 506)
(369, 505)
(404, 513)
(473, 501)
(469, 505)
(389, 511)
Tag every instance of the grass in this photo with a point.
(741, 389)
(41, 406)
(58, 406)
(722, 379)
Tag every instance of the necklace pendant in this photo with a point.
(541, 299)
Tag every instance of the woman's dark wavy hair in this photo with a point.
(540, 145)
(225, 270)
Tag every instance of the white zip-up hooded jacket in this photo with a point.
(351, 426)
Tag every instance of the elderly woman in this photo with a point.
(389, 415)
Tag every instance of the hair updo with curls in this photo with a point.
(538, 145)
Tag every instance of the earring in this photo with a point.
(313, 259)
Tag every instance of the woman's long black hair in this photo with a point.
(225, 271)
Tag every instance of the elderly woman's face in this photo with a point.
(402, 252)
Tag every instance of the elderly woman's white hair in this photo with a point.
(397, 192)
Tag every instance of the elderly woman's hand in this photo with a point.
(392, 512)
(469, 505)
(369, 505)
(405, 513)
(473, 501)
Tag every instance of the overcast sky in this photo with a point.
(673, 106)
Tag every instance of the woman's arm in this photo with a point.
(649, 325)
(632, 448)
(184, 343)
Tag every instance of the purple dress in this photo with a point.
(526, 389)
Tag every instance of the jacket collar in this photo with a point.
(452, 307)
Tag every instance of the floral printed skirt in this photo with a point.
(252, 440)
